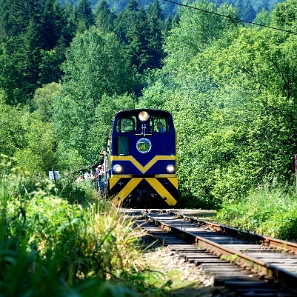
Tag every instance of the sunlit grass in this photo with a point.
(267, 211)
(51, 247)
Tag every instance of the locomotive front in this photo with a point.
(142, 159)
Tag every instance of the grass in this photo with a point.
(54, 244)
(50, 246)
(62, 240)
(267, 211)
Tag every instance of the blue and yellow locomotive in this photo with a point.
(141, 158)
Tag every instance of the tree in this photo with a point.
(104, 17)
(95, 65)
(25, 137)
(155, 37)
(284, 15)
(12, 129)
(167, 25)
(33, 48)
(11, 75)
(141, 33)
(38, 157)
(248, 13)
(85, 15)
(52, 22)
(196, 31)
(43, 101)
(133, 5)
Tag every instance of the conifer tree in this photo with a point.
(167, 25)
(104, 17)
(84, 15)
(248, 13)
(38, 34)
(155, 37)
(51, 24)
(133, 5)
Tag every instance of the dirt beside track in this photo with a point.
(185, 279)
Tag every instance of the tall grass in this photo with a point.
(269, 211)
(50, 247)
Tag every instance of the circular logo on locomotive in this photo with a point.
(143, 145)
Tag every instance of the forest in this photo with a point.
(231, 87)
(246, 9)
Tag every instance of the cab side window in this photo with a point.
(126, 125)
(122, 145)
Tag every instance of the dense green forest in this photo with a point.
(247, 9)
(65, 70)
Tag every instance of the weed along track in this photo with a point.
(247, 264)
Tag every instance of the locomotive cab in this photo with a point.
(142, 159)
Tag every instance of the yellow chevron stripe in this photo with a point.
(113, 181)
(158, 187)
(128, 189)
(115, 178)
(174, 181)
(145, 168)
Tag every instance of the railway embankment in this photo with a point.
(246, 264)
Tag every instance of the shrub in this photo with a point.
(270, 211)
(50, 247)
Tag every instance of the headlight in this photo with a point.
(143, 116)
(117, 168)
(170, 168)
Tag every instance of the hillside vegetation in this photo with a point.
(247, 9)
(52, 247)
(231, 87)
(64, 72)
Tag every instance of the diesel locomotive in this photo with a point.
(141, 159)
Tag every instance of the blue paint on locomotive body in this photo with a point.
(142, 157)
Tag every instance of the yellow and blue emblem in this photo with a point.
(143, 145)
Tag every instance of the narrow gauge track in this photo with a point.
(248, 264)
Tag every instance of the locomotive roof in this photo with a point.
(137, 110)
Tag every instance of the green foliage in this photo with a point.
(232, 94)
(76, 192)
(12, 129)
(26, 137)
(85, 15)
(96, 66)
(43, 101)
(141, 32)
(32, 47)
(50, 247)
(38, 155)
(12, 80)
(270, 211)
(196, 31)
(104, 17)
(69, 159)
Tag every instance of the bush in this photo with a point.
(270, 211)
(50, 247)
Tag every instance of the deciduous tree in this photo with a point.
(95, 65)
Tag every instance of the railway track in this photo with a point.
(248, 264)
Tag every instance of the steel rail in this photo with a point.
(266, 241)
(261, 268)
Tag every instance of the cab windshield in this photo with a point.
(127, 124)
(159, 125)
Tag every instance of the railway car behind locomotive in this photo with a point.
(141, 159)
